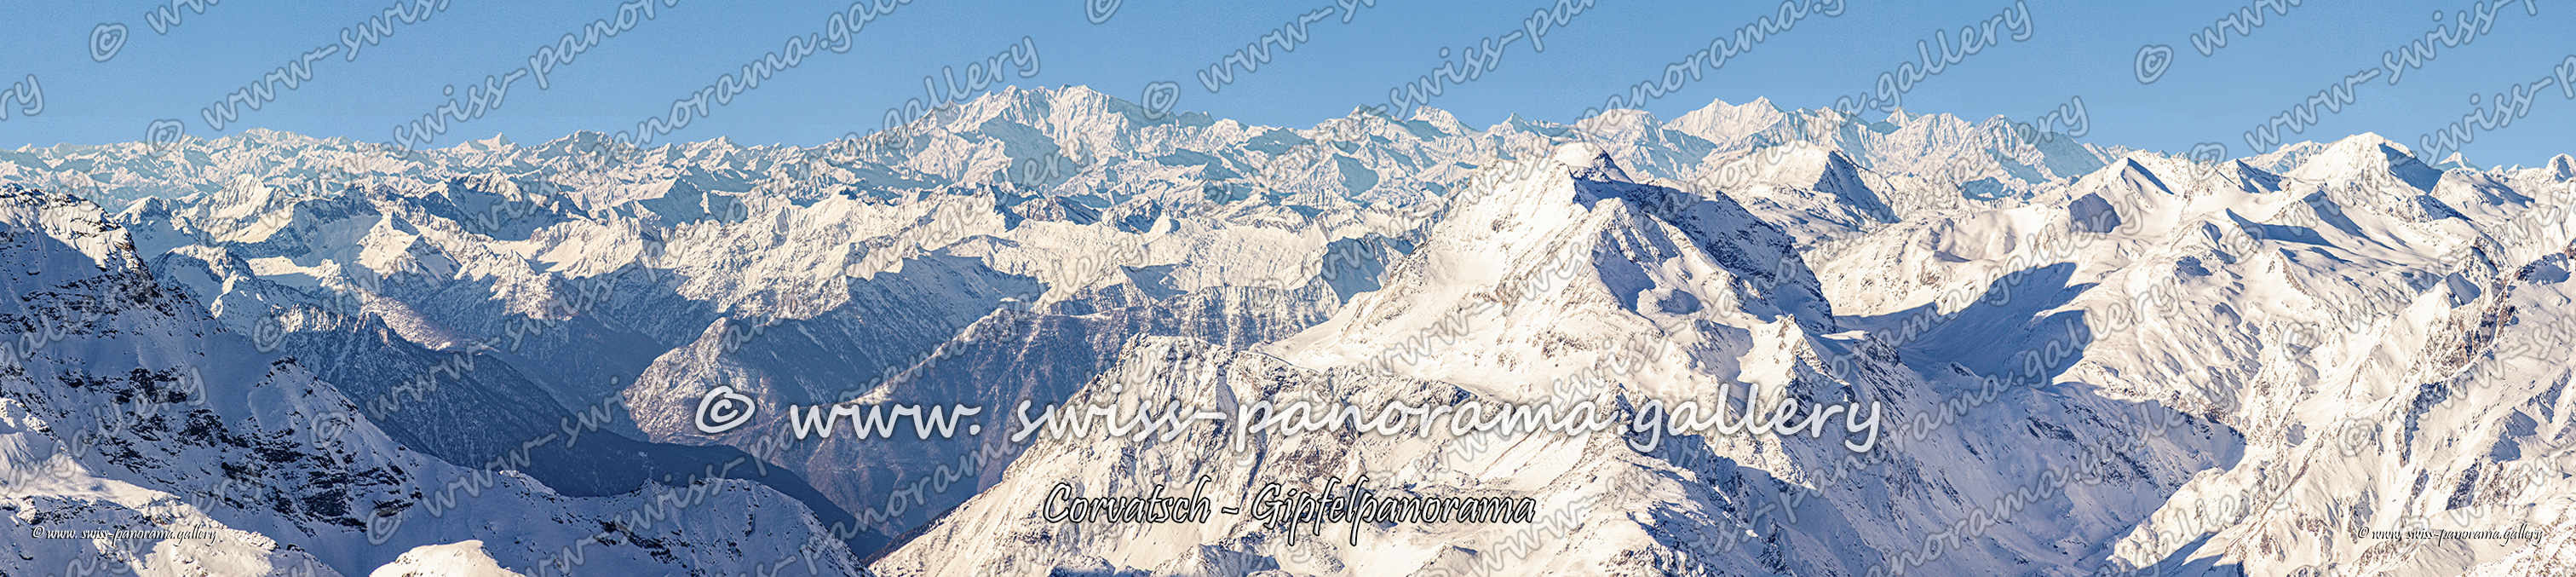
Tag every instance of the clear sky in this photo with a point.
(2089, 50)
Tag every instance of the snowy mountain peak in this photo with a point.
(2455, 160)
(69, 219)
(1899, 117)
(1050, 244)
(1546, 262)
(1589, 161)
(2367, 158)
(1719, 119)
(460, 559)
(2133, 177)
(153, 414)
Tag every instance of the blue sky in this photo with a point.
(2086, 50)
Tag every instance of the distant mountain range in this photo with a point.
(491, 358)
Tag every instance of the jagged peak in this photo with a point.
(720, 142)
(2129, 175)
(143, 209)
(2455, 160)
(1435, 116)
(1517, 123)
(1589, 161)
(2254, 179)
(1897, 116)
(1724, 123)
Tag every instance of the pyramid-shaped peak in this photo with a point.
(1590, 162)
(2455, 160)
(2367, 157)
(2136, 177)
(2244, 168)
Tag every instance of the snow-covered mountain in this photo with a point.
(2087, 359)
(128, 408)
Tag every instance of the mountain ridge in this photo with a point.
(2013, 297)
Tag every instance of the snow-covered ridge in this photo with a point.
(137, 413)
(2091, 358)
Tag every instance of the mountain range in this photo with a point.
(495, 358)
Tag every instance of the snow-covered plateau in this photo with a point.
(269, 354)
